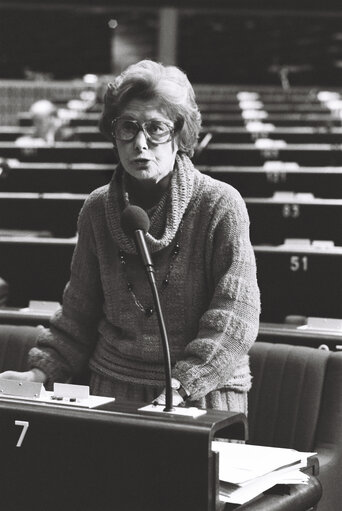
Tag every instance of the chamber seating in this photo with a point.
(268, 105)
(72, 152)
(309, 161)
(82, 133)
(299, 279)
(35, 268)
(48, 214)
(292, 215)
(54, 177)
(311, 155)
(251, 181)
(290, 134)
(227, 119)
(279, 415)
(264, 181)
(295, 279)
(296, 402)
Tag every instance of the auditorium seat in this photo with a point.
(299, 278)
(296, 402)
(314, 155)
(35, 268)
(54, 177)
(291, 215)
(269, 106)
(82, 133)
(264, 181)
(278, 119)
(292, 135)
(72, 152)
(50, 214)
(83, 119)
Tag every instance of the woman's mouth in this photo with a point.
(141, 160)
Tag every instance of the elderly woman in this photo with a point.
(199, 243)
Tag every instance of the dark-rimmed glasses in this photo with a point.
(155, 131)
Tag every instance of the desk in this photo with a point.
(117, 455)
(250, 154)
(113, 457)
(263, 181)
(297, 498)
(299, 280)
(294, 216)
(292, 334)
(77, 152)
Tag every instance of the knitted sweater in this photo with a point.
(211, 305)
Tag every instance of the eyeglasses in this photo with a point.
(155, 131)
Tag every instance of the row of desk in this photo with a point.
(292, 145)
(227, 118)
(251, 181)
(215, 153)
(288, 215)
(228, 134)
(293, 279)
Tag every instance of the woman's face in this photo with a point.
(140, 157)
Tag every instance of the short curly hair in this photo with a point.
(149, 80)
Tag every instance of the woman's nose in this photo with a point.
(140, 141)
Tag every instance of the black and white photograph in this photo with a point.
(170, 255)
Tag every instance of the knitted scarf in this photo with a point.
(167, 213)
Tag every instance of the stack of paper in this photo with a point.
(246, 471)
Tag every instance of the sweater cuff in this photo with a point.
(42, 360)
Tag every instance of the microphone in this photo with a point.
(135, 223)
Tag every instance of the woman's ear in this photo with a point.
(175, 142)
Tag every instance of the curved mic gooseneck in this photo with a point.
(135, 223)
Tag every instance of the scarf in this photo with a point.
(167, 213)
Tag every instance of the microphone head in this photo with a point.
(133, 219)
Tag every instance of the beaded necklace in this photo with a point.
(149, 309)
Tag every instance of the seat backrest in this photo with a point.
(286, 394)
(296, 402)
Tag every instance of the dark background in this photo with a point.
(218, 41)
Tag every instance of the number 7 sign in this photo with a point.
(25, 426)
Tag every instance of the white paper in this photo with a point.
(239, 463)
(242, 494)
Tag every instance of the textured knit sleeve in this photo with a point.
(229, 327)
(64, 349)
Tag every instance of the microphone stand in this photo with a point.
(142, 248)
